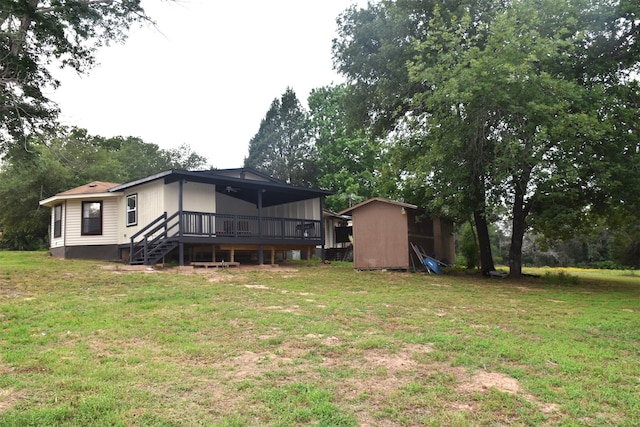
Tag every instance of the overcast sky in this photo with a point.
(208, 75)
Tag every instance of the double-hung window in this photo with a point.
(132, 210)
(57, 221)
(92, 218)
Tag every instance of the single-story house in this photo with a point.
(383, 231)
(187, 216)
(338, 232)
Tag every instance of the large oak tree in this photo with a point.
(526, 105)
(36, 35)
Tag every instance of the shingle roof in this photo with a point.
(348, 211)
(91, 188)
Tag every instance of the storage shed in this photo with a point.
(383, 230)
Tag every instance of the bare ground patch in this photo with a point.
(8, 398)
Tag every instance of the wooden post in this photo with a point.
(213, 253)
(273, 256)
(180, 224)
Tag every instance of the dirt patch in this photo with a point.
(8, 398)
(485, 381)
(256, 286)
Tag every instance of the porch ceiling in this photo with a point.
(273, 192)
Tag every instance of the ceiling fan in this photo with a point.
(231, 189)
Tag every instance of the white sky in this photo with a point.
(209, 74)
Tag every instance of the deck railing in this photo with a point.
(244, 226)
(164, 233)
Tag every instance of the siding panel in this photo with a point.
(150, 206)
(109, 223)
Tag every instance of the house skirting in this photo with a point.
(99, 252)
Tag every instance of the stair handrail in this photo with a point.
(149, 231)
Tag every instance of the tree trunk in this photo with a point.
(484, 243)
(518, 227)
(517, 236)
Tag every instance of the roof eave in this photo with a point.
(53, 200)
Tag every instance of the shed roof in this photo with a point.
(349, 211)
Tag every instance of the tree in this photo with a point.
(373, 50)
(510, 114)
(347, 162)
(282, 146)
(25, 178)
(38, 34)
(72, 159)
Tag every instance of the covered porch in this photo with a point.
(256, 214)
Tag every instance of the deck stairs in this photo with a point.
(151, 244)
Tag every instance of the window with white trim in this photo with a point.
(57, 220)
(132, 210)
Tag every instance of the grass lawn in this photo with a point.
(83, 345)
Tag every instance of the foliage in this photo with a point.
(282, 146)
(347, 161)
(36, 35)
(374, 49)
(39, 170)
(626, 246)
(468, 247)
(496, 106)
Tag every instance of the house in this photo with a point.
(337, 233)
(383, 231)
(187, 216)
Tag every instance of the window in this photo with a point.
(91, 218)
(132, 209)
(57, 221)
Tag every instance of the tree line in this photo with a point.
(524, 112)
(43, 167)
(518, 112)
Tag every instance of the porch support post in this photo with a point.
(260, 247)
(322, 231)
(180, 244)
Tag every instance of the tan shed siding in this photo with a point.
(308, 209)
(109, 223)
(150, 207)
(380, 237)
(199, 197)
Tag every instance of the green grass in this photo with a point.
(315, 344)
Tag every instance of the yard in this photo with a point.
(83, 343)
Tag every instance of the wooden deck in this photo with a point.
(216, 264)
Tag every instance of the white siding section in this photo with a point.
(307, 209)
(156, 198)
(199, 197)
(232, 206)
(171, 192)
(150, 206)
(109, 223)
